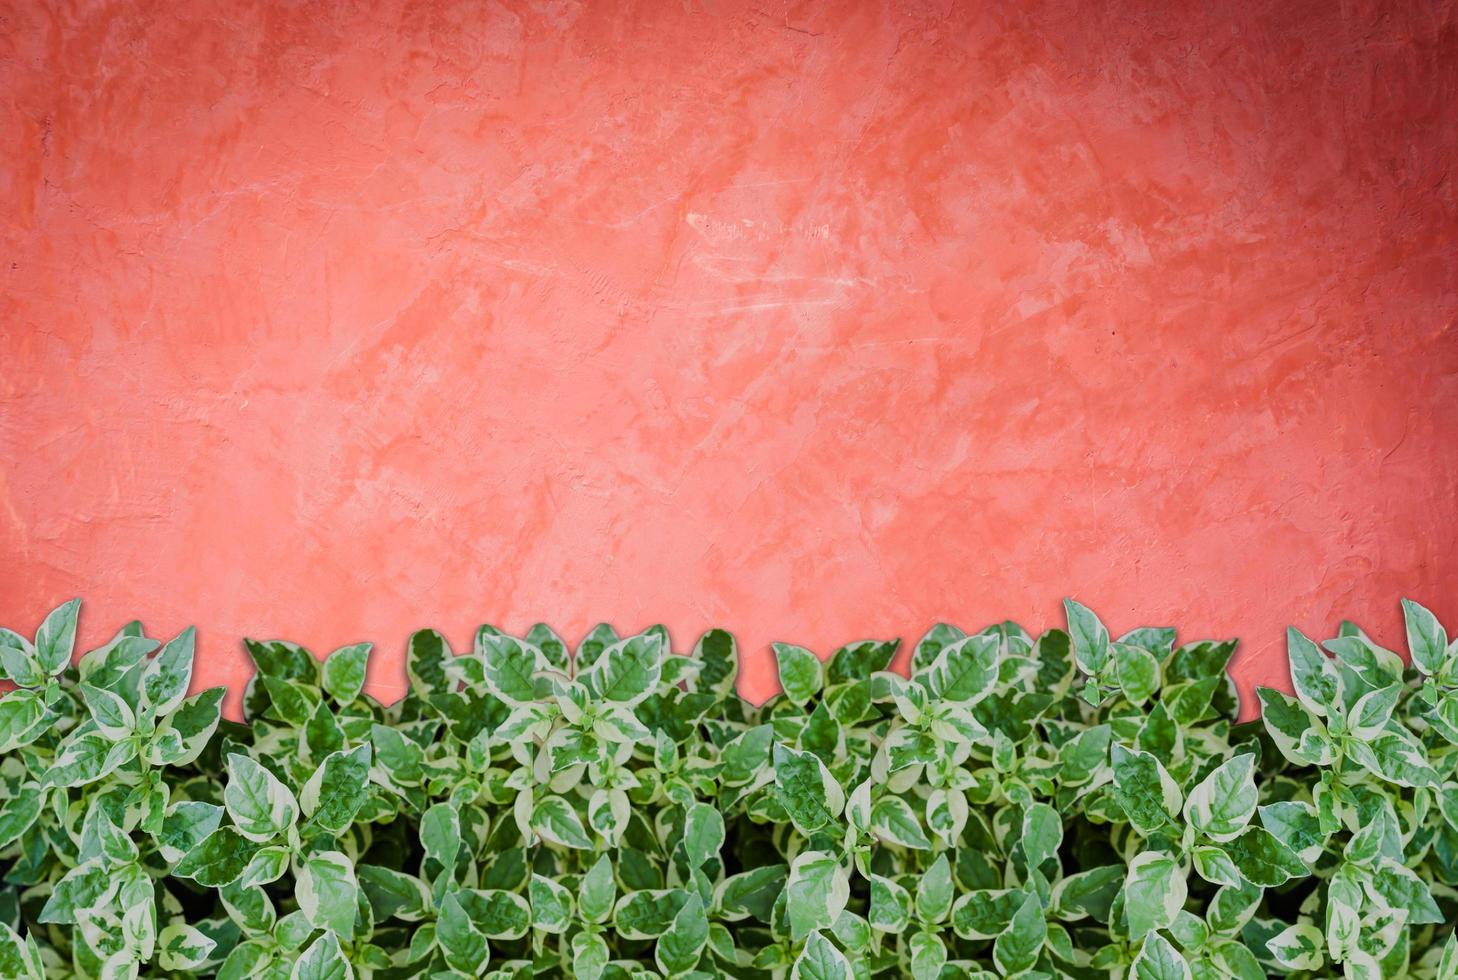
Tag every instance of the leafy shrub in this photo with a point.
(1071, 806)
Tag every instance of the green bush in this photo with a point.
(1066, 806)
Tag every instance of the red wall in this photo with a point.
(333, 320)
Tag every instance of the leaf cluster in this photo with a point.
(1067, 805)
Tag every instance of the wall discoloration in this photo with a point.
(333, 320)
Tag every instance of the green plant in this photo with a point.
(1066, 806)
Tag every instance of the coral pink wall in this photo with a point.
(332, 320)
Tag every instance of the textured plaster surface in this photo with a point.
(814, 321)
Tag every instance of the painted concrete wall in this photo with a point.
(816, 321)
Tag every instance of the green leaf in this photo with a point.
(1042, 834)
(598, 891)
(1263, 860)
(1154, 892)
(87, 886)
(291, 701)
(114, 718)
(934, 891)
(1427, 642)
(890, 909)
(1017, 947)
(753, 893)
(965, 670)
(801, 673)
(440, 834)
(648, 913)
(1224, 801)
(218, 859)
(495, 913)
(397, 756)
(1215, 866)
(1145, 791)
(183, 947)
(1448, 963)
(718, 656)
(1316, 680)
(1158, 960)
(250, 907)
(283, 660)
(1298, 947)
(1236, 960)
(56, 638)
(18, 811)
(186, 824)
(19, 959)
(1232, 907)
(858, 661)
(22, 717)
(333, 795)
(19, 663)
(1089, 637)
(1395, 756)
(258, 802)
(1137, 671)
(928, 956)
(393, 894)
(328, 892)
(930, 645)
(101, 838)
(344, 672)
(323, 960)
(267, 865)
(1296, 825)
(554, 819)
(590, 649)
(806, 789)
(892, 820)
(1373, 710)
(986, 912)
(510, 668)
(703, 834)
(167, 675)
(551, 903)
(427, 658)
(1400, 888)
(86, 758)
(1088, 893)
(1298, 733)
(820, 960)
(628, 671)
(191, 726)
(589, 956)
(678, 949)
(816, 893)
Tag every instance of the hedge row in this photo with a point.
(1069, 805)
